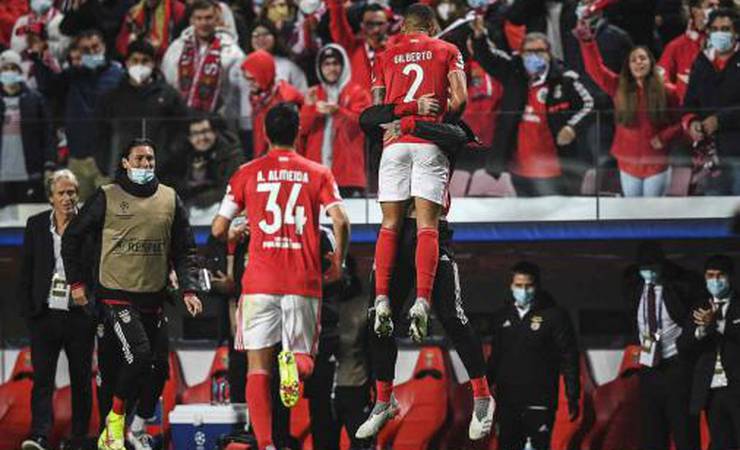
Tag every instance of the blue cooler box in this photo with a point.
(198, 426)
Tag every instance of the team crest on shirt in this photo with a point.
(536, 323)
(542, 95)
(125, 315)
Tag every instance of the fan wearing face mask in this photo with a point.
(142, 97)
(713, 99)
(533, 344)
(713, 335)
(41, 14)
(545, 106)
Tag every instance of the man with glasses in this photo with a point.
(362, 49)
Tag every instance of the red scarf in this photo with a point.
(37, 24)
(200, 77)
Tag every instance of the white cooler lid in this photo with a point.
(205, 413)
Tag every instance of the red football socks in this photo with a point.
(305, 365)
(385, 259)
(119, 406)
(260, 407)
(427, 257)
(384, 390)
(480, 387)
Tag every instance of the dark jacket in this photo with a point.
(36, 131)
(711, 92)
(81, 90)
(567, 99)
(90, 221)
(155, 110)
(104, 15)
(705, 351)
(529, 355)
(37, 266)
(220, 163)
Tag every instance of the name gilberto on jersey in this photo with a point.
(295, 176)
(403, 58)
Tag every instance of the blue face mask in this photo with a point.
(93, 61)
(522, 296)
(141, 176)
(534, 64)
(722, 41)
(41, 6)
(477, 4)
(650, 276)
(10, 77)
(718, 287)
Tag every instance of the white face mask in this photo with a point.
(139, 73)
(41, 6)
(309, 7)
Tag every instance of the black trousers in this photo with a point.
(74, 332)
(446, 305)
(142, 343)
(665, 394)
(517, 422)
(723, 410)
(318, 389)
(352, 406)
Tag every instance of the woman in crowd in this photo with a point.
(265, 36)
(646, 116)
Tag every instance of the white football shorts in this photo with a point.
(413, 170)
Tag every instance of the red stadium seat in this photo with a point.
(423, 404)
(23, 368)
(201, 392)
(484, 185)
(15, 403)
(172, 392)
(459, 183)
(566, 434)
(300, 423)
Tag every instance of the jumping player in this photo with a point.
(424, 78)
(282, 193)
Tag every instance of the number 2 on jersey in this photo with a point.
(292, 215)
(418, 78)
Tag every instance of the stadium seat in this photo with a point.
(300, 423)
(484, 185)
(201, 392)
(680, 182)
(15, 403)
(423, 404)
(172, 392)
(459, 183)
(22, 367)
(566, 435)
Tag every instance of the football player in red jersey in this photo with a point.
(424, 78)
(282, 194)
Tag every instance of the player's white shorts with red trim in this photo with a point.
(413, 170)
(263, 320)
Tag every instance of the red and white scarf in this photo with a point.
(200, 74)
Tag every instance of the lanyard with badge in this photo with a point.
(650, 348)
(720, 377)
(59, 293)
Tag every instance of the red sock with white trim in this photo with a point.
(480, 387)
(383, 389)
(427, 258)
(385, 260)
(260, 407)
(119, 405)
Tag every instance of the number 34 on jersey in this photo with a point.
(279, 211)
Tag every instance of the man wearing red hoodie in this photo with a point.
(330, 121)
(265, 92)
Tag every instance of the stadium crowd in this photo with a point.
(555, 88)
(558, 89)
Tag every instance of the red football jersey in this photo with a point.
(282, 193)
(415, 66)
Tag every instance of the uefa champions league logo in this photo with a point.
(200, 440)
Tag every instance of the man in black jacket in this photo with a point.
(713, 100)
(714, 334)
(542, 109)
(142, 104)
(54, 321)
(659, 295)
(533, 344)
(140, 229)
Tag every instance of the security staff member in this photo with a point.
(141, 228)
(659, 294)
(533, 344)
(714, 333)
(55, 322)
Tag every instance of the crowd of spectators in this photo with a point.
(557, 88)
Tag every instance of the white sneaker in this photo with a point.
(379, 416)
(383, 317)
(482, 420)
(140, 440)
(419, 314)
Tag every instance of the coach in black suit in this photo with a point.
(660, 296)
(54, 321)
(714, 334)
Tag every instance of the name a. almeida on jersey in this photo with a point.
(295, 176)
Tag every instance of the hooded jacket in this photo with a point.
(336, 140)
(261, 65)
